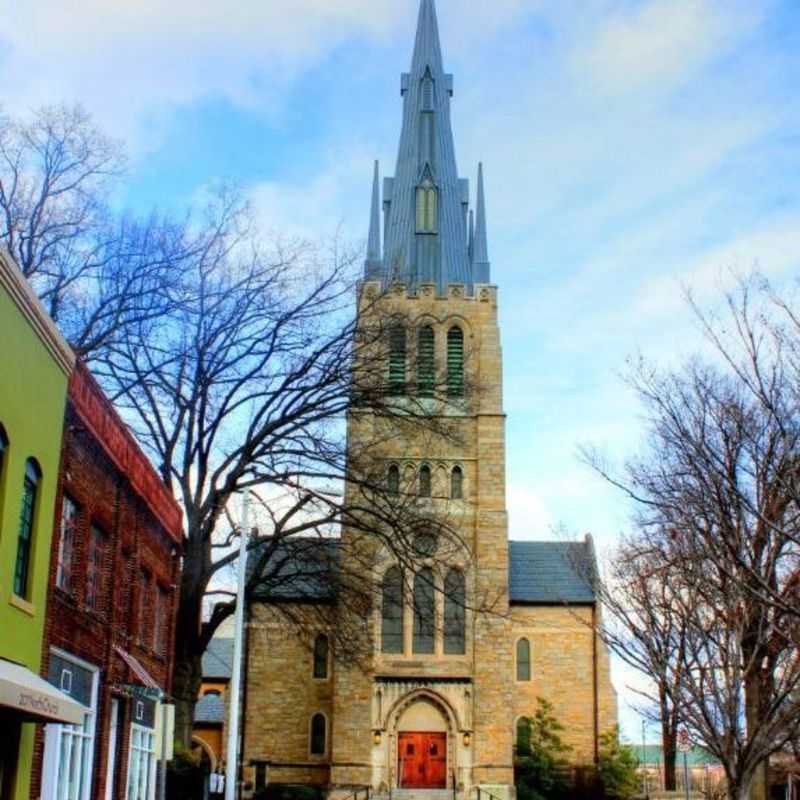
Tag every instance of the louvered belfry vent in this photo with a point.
(426, 366)
(455, 362)
(397, 360)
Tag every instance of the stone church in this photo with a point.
(438, 705)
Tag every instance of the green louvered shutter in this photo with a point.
(397, 361)
(426, 366)
(455, 362)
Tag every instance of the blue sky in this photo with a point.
(630, 148)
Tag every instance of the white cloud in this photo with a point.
(662, 42)
(132, 61)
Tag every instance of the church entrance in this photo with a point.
(422, 760)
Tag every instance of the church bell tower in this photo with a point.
(427, 260)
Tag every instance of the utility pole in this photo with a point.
(232, 754)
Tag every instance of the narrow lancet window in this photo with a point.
(455, 362)
(427, 207)
(454, 613)
(321, 657)
(457, 484)
(424, 481)
(424, 611)
(393, 480)
(392, 612)
(523, 660)
(318, 735)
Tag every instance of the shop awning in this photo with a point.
(34, 698)
(137, 669)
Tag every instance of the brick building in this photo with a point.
(111, 606)
(438, 702)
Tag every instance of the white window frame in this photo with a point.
(145, 780)
(58, 736)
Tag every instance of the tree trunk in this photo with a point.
(669, 745)
(759, 788)
(189, 649)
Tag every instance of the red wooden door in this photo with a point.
(422, 760)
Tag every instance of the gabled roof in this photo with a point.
(301, 568)
(550, 572)
(218, 659)
(209, 709)
(545, 573)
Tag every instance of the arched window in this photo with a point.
(321, 657)
(212, 693)
(30, 490)
(426, 207)
(318, 734)
(454, 613)
(424, 611)
(392, 612)
(426, 365)
(397, 360)
(522, 739)
(393, 479)
(457, 483)
(424, 481)
(455, 362)
(523, 660)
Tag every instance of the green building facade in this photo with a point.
(35, 364)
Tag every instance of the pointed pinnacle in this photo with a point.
(471, 239)
(480, 252)
(372, 266)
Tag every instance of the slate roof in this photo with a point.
(210, 708)
(545, 573)
(550, 572)
(218, 659)
(298, 569)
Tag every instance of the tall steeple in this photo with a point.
(425, 204)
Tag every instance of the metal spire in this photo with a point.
(373, 265)
(480, 250)
(426, 155)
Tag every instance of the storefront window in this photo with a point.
(141, 763)
(69, 749)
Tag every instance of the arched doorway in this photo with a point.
(424, 735)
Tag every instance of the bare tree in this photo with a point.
(94, 270)
(717, 506)
(248, 382)
(641, 626)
